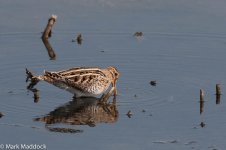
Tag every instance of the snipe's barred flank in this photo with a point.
(83, 81)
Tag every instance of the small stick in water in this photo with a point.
(201, 95)
(201, 101)
(218, 99)
(48, 30)
(79, 39)
(218, 93)
(48, 33)
(218, 89)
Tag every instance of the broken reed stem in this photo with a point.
(201, 101)
(201, 95)
(218, 93)
(218, 99)
(218, 89)
(201, 106)
(48, 30)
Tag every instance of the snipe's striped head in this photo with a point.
(114, 72)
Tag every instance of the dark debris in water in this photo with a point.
(11, 92)
(153, 82)
(173, 141)
(202, 124)
(78, 39)
(137, 34)
(1, 114)
(129, 114)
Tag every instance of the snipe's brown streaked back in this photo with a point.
(83, 81)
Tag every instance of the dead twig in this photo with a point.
(46, 34)
(48, 30)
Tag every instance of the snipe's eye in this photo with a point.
(116, 74)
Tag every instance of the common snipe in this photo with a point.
(83, 81)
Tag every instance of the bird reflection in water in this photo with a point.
(81, 111)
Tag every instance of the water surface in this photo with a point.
(183, 49)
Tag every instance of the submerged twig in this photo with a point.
(46, 34)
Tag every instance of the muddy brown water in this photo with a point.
(183, 49)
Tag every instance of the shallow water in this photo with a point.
(183, 49)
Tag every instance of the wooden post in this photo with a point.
(46, 34)
(201, 101)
